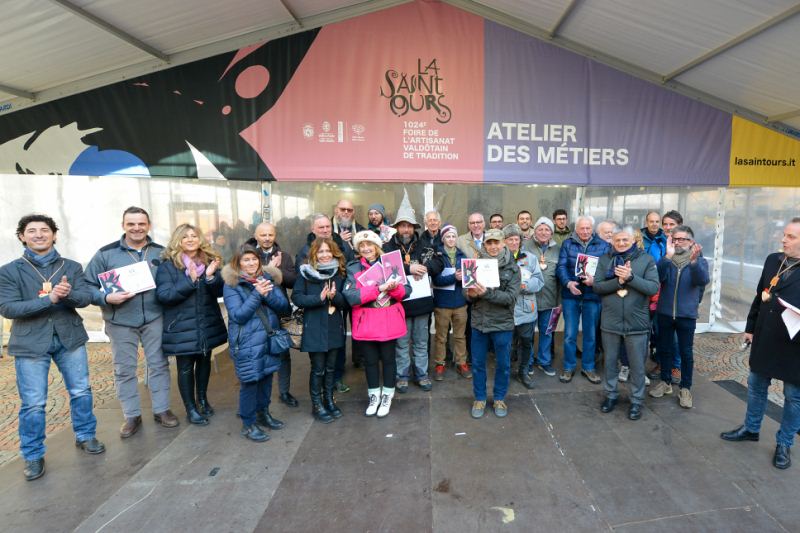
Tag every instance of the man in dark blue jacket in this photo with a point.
(40, 292)
(577, 262)
(684, 274)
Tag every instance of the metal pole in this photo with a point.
(715, 310)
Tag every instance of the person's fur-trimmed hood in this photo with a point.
(231, 276)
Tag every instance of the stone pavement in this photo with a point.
(554, 464)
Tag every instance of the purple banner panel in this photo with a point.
(553, 116)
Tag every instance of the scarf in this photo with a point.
(451, 254)
(323, 272)
(681, 258)
(193, 264)
(42, 260)
(620, 258)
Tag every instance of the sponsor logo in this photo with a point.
(308, 131)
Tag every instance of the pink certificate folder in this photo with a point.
(393, 267)
(374, 276)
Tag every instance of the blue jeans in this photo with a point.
(757, 385)
(413, 345)
(32, 386)
(543, 354)
(587, 312)
(253, 397)
(668, 329)
(501, 341)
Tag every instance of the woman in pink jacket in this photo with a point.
(378, 320)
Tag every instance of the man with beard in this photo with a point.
(561, 232)
(344, 221)
(263, 240)
(774, 353)
(496, 221)
(684, 274)
(524, 220)
(418, 260)
(378, 222)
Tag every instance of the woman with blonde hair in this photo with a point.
(318, 291)
(188, 283)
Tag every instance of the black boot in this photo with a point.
(524, 378)
(329, 400)
(317, 407)
(263, 418)
(202, 372)
(186, 388)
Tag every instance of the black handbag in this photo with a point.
(278, 340)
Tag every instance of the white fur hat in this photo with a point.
(367, 235)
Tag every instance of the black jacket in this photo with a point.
(628, 314)
(287, 265)
(192, 319)
(302, 255)
(773, 353)
(423, 255)
(322, 331)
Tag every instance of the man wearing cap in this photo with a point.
(418, 261)
(493, 321)
(546, 251)
(378, 222)
(531, 282)
(472, 241)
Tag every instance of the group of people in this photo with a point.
(637, 290)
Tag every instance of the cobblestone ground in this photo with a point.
(718, 356)
(101, 372)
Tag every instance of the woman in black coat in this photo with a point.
(188, 283)
(318, 291)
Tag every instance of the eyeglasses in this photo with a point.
(681, 239)
(476, 222)
(346, 209)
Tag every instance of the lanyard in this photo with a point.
(47, 285)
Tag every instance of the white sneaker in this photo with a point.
(374, 401)
(386, 402)
(646, 381)
(624, 372)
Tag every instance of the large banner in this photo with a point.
(417, 93)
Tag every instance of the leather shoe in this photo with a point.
(34, 469)
(782, 459)
(130, 426)
(254, 433)
(167, 419)
(739, 434)
(263, 418)
(91, 446)
(288, 399)
(635, 412)
(608, 405)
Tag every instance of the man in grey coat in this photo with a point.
(625, 279)
(132, 319)
(39, 292)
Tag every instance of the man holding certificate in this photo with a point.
(775, 352)
(493, 294)
(133, 316)
(577, 264)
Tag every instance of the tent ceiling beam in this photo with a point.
(784, 116)
(17, 92)
(739, 39)
(563, 18)
(286, 7)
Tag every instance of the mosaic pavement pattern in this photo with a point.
(718, 356)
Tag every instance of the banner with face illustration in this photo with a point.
(423, 92)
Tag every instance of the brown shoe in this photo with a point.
(130, 426)
(167, 419)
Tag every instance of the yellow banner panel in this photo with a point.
(761, 157)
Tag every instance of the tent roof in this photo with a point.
(740, 56)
